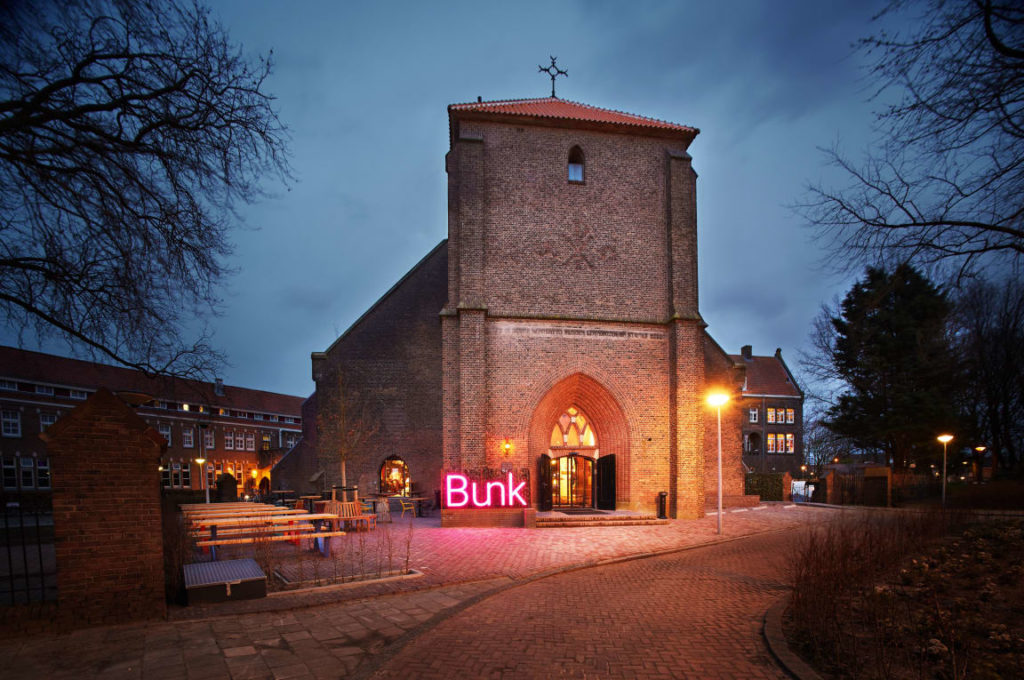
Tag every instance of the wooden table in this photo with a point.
(307, 501)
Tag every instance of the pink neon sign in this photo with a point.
(460, 493)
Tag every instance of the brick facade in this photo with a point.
(389, 361)
(557, 294)
(770, 395)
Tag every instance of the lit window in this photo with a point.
(187, 437)
(771, 443)
(790, 415)
(165, 432)
(45, 420)
(78, 394)
(211, 479)
(11, 423)
(44, 389)
(576, 164)
(229, 440)
(208, 439)
(573, 430)
(753, 415)
(771, 415)
(790, 443)
(266, 442)
(10, 474)
(43, 473)
(250, 441)
(184, 407)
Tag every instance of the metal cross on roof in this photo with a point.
(554, 72)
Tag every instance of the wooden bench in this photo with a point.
(207, 543)
(350, 513)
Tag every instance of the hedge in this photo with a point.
(767, 485)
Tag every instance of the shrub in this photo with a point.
(767, 485)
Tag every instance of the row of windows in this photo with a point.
(10, 422)
(50, 390)
(775, 415)
(179, 475)
(233, 440)
(781, 443)
(26, 473)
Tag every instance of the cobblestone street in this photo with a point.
(491, 603)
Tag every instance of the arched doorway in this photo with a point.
(394, 477)
(580, 442)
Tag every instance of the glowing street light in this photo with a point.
(718, 400)
(945, 439)
(202, 476)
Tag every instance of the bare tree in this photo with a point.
(347, 417)
(989, 336)
(945, 182)
(130, 131)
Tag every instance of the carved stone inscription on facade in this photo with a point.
(514, 329)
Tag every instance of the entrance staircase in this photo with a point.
(547, 520)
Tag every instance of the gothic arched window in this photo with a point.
(573, 430)
(576, 164)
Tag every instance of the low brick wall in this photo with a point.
(485, 517)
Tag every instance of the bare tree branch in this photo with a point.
(944, 183)
(129, 134)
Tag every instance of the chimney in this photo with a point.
(747, 351)
(218, 387)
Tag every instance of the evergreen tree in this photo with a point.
(891, 349)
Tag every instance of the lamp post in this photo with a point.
(718, 399)
(945, 439)
(201, 462)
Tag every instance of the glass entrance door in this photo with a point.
(572, 483)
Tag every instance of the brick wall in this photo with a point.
(106, 514)
(391, 357)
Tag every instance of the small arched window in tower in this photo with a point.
(576, 164)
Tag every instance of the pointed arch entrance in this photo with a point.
(580, 442)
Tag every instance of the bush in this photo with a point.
(767, 485)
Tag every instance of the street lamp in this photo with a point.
(945, 439)
(718, 400)
(201, 462)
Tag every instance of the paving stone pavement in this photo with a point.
(483, 609)
(694, 614)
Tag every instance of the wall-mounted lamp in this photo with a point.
(506, 447)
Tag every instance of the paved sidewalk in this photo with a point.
(330, 632)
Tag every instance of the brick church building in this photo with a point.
(554, 336)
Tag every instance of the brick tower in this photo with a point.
(573, 347)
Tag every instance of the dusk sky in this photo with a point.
(363, 88)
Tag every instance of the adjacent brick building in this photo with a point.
(555, 335)
(772, 413)
(237, 430)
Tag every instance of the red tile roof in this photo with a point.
(563, 109)
(767, 376)
(19, 364)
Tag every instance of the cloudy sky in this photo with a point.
(363, 87)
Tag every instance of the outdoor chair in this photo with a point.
(407, 506)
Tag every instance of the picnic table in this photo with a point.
(282, 525)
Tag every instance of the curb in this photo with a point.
(778, 645)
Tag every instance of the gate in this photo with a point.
(28, 565)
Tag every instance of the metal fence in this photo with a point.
(28, 572)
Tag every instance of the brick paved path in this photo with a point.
(634, 619)
(695, 614)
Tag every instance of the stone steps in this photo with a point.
(598, 521)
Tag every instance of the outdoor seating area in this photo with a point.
(239, 523)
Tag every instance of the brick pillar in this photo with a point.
(106, 514)
(463, 326)
(686, 419)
